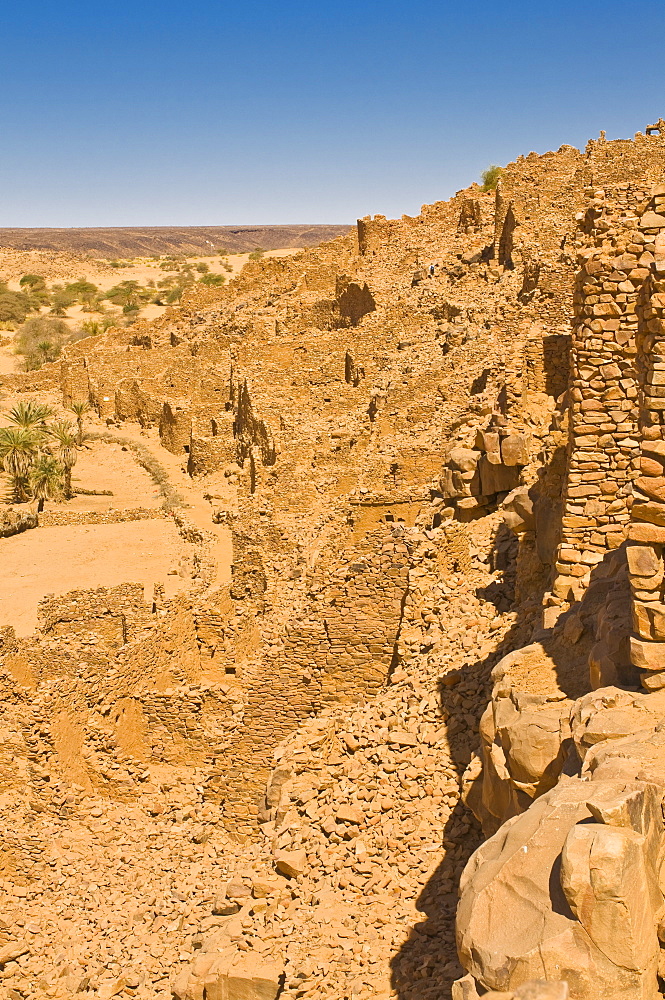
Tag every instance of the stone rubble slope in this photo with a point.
(355, 810)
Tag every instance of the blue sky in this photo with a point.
(212, 113)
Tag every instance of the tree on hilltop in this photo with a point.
(491, 177)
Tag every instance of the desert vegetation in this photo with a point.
(491, 177)
(38, 453)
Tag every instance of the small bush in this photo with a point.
(83, 290)
(61, 300)
(93, 328)
(35, 291)
(129, 295)
(490, 177)
(212, 279)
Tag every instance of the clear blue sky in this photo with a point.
(152, 112)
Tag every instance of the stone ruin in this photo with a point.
(444, 437)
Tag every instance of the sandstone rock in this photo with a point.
(223, 907)
(249, 977)
(647, 655)
(651, 220)
(497, 478)
(515, 450)
(466, 989)
(642, 531)
(643, 560)
(464, 459)
(652, 512)
(652, 486)
(609, 714)
(540, 989)
(349, 814)
(524, 853)
(291, 863)
(605, 880)
(13, 950)
(519, 510)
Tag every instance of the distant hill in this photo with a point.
(149, 241)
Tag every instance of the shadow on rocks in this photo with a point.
(426, 963)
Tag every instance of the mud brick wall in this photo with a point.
(212, 444)
(101, 517)
(87, 610)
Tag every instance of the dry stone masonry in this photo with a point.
(397, 734)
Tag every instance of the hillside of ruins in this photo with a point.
(337, 668)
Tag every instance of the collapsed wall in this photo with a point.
(383, 406)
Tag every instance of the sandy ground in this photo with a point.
(103, 466)
(198, 510)
(9, 363)
(55, 560)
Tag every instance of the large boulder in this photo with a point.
(525, 737)
(229, 974)
(497, 478)
(569, 891)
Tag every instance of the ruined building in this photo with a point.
(442, 450)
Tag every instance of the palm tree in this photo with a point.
(30, 415)
(18, 448)
(45, 479)
(63, 432)
(78, 409)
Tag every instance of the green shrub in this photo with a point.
(93, 328)
(35, 291)
(83, 290)
(129, 295)
(61, 300)
(490, 177)
(14, 306)
(40, 340)
(212, 279)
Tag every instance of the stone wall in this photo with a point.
(646, 533)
